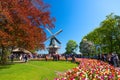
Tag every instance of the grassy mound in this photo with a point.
(34, 70)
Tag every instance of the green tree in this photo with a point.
(107, 35)
(86, 47)
(71, 47)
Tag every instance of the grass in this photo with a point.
(34, 70)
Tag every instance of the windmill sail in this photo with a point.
(57, 40)
(58, 32)
(49, 31)
(53, 36)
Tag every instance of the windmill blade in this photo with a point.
(49, 31)
(49, 37)
(58, 32)
(57, 40)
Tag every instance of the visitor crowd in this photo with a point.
(111, 58)
(22, 57)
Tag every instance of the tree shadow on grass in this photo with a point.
(6, 66)
(9, 64)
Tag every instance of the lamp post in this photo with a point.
(98, 49)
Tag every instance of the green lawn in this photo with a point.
(34, 70)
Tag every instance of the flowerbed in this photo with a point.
(91, 69)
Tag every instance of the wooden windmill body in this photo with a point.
(53, 46)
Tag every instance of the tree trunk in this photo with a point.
(4, 56)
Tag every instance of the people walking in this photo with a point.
(116, 60)
(12, 57)
(26, 57)
(66, 57)
(46, 57)
(73, 57)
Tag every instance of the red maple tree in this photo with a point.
(22, 24)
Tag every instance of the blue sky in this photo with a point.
(79, 17)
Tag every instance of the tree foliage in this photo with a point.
(107, 35)
(22, 23)
(86, 47)
(71, 46)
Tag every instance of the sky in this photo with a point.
(78, 17)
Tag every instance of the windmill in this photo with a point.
(53, 47)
